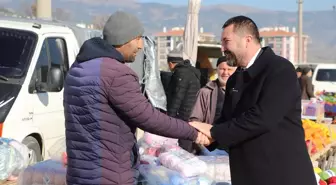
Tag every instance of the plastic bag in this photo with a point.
(154, 145)
(148, 159)
(57, 151)
(153, 151)
(14, 157)
(157, 141)
(187, 164)
(168, 148)
(47, 172)
(159, 175)
(218, 168)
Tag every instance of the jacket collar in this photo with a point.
(264, 57)
(213, 84)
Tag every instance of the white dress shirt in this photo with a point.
(253, 59)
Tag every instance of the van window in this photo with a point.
(17, 47)
(53, 54)
(42, 62)
(326, 75)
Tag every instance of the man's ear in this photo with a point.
(249, 39)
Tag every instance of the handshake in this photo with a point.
(204, 135)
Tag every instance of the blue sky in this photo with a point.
(289, 5)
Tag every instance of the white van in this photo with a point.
(324, 78)
(35, 57)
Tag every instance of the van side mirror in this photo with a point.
(55, 80)
(51, 80)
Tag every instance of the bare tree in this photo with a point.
(99, 21)
(27, 9)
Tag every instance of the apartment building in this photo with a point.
(167, 40)
(284, 42)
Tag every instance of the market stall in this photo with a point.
(164, 162)
(330, 103)
(320, 133)
(320, 136)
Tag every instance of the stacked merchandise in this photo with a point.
(313, 108)
(14, 157)
(330, 102)
(52, 171)
(327, 177)
(43, 173)
(218, 168)
(164, 162)
(318, 136)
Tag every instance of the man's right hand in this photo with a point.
(202, 127)
(203, 139)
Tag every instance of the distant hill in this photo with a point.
(319, 25)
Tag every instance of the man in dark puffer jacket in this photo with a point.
(103, 106)
(182, 90)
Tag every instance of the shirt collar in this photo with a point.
(253, 59)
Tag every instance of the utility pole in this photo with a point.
(43, 9)
(300, 41)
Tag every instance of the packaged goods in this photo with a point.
(14, 157)
(148, 159)
(160, 175)
(218, 168)
(44, 173)
(157, 141)
(187, 164)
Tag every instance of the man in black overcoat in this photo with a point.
(261, 124)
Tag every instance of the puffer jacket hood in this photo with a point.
(97, 48)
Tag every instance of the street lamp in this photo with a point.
(43, 9)
(300, 20)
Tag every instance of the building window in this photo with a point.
(169, 37)
(163, 57)
(162, 39)
(168, 44)
(163, 46)
(162, 51)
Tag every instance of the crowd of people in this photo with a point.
(251, 112)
